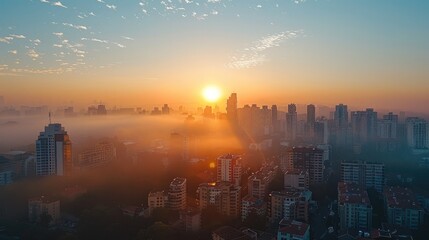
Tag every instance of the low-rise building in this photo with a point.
(293, 230)
(250, 204)
(44, 205)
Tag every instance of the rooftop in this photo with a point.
(352, 194)
(400, 197)
(178, 181)
(293, 227)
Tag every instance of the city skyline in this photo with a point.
(362, 53)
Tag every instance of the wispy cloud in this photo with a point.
(254, 54)
(17, 36)
(79, 27)
(58, 4)
(128, 38)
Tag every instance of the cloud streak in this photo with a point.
(254, 55)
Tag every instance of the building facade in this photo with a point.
(54, 152)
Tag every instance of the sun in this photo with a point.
(211, 93)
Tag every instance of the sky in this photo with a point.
(365, 53)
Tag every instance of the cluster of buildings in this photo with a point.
(355, 209)
(388, 132)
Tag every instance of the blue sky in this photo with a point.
(344, 45)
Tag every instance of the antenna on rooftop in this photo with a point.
(50, 122)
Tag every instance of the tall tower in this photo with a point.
(231, 108)
(341, 117)
(54, 152)
(274, 117)
(291, 122)
(311, 114)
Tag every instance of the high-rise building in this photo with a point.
(321, 131)
(341, 116)
(44, 205)
(402, 208)
(304, 158)
(364, 125)
(417, 133)
(229, 169)
(165, 109)
(388, 127)
(231, 108)
(274, 118)
(177, 194)
(223, 195)
(291, 122)
(54, 152)
(365, 174)
(354, 207)
(311, 120)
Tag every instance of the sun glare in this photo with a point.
(211, 93)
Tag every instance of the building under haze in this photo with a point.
(231, 108)
(177, 194)
(229, 169)
(224, 196)
(417, 133)
(402, 208)
(354, 207)
(364, 125)
(291, 122)
(304, 158)
(44, 205)
(54, 152)
(365, 174)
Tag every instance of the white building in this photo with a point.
(229, 169)
(177, 194)
(54, 152)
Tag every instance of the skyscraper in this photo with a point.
(364, 125)
(291, 122)
(231, 108)
(54, 152)
(311, 114)
(274, 118)
(341, 116)
(311, 120)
